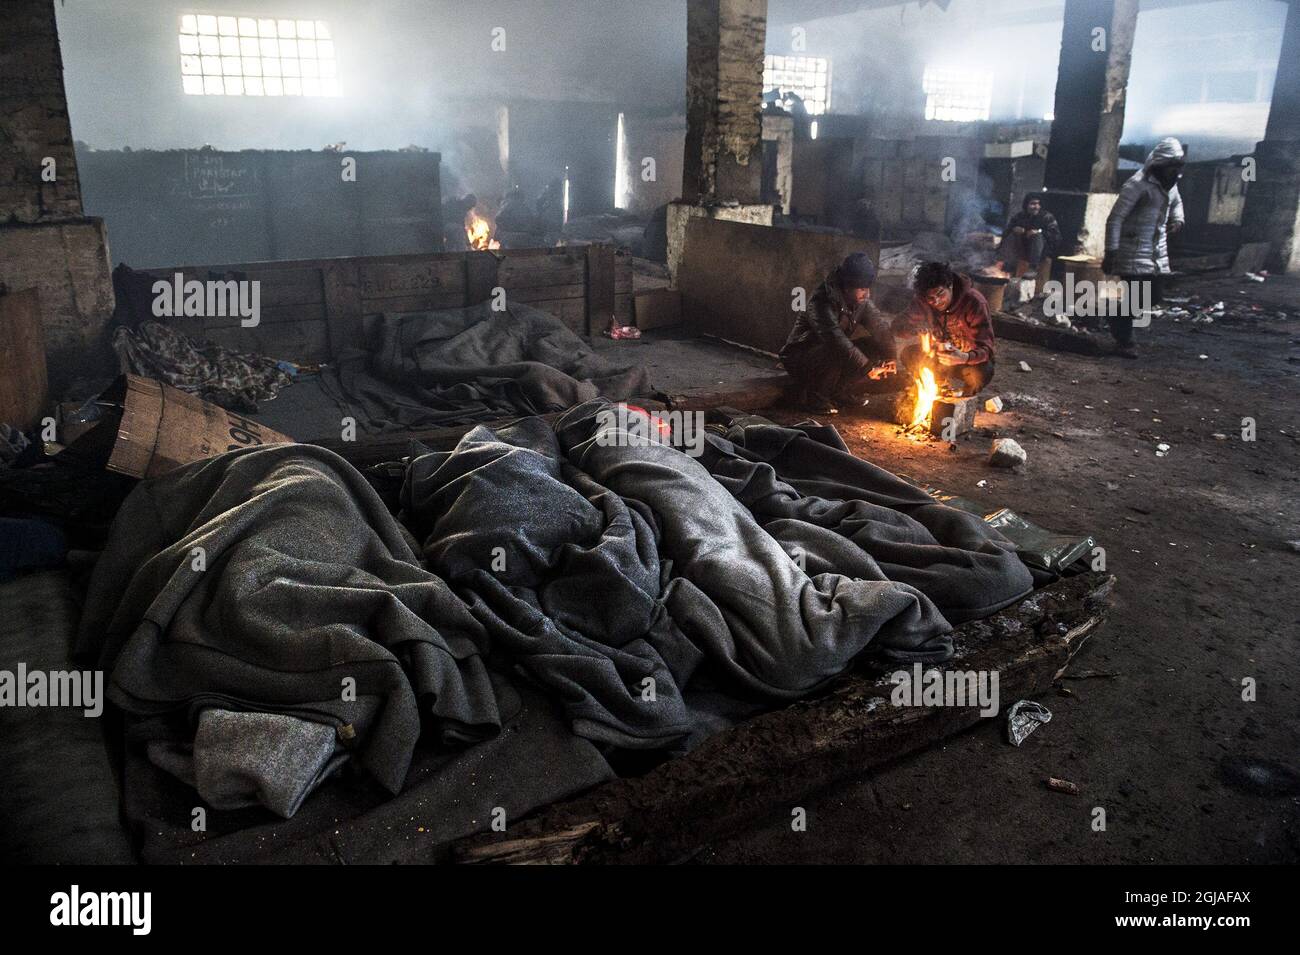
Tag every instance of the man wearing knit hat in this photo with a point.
(840, 344)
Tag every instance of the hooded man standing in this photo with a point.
(841, 344)
(1148, 210)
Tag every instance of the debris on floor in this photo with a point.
(1007, 453)
(1062, 786)
(1023, 718)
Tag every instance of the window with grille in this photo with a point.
(256, 56)
(957, 94)
(807, 76)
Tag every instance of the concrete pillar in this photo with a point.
(778, 129)
(1091, 82)
(725, 40)
(1272, 212)
(45, 241)
(722, 169)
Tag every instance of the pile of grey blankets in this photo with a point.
(264, 619)
(465, 365)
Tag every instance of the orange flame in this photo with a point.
(478, 232)
(927, 389)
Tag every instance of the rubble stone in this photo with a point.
(993, 405)
(1007, 454)
(948, 419)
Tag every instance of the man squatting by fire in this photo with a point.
(841, 342)
(842, 348)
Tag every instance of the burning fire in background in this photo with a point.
(927, 389)
(478, 232)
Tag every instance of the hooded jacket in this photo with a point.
(829, 322)
(1137, 228)
(965, 323)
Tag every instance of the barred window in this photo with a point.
(957, 94)
(807, 76)
(256, 56)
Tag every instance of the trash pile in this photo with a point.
(1205, 310)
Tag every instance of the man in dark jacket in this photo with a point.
(840, 346)
(1032, 235)
(956, 317)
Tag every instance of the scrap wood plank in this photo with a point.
(1048, 336)
(766, 763)
(747, 394)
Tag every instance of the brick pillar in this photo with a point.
(724, 92)
(1272, 212)
(45, 240)
(722, 171)
(1091, 83)
(34, 124)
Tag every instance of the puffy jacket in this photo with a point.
(828, 323)
(1137, 229)
(966, 323)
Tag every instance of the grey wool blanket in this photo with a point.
(630, 585)
(457, 366)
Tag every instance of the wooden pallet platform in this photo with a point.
(768, 763)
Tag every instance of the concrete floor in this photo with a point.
(682, 364)
(1160, 737)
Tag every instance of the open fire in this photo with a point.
(478, 232)
(927, 388)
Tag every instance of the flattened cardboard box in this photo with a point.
(162, 428)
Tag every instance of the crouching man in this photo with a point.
(841, 347)
(956, 317)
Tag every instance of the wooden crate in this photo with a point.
(24, 390)
(311, 309)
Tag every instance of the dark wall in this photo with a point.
(206, 206)
(756, 312)
(546, 137)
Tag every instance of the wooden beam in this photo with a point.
(24, 391)
(600, 289)
(342, 289)
(1050, 336)
(767, 763)
(747, 394)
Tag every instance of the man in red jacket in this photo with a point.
(956, 316)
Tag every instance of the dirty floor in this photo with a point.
(1152, 727)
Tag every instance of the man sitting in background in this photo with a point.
(956, 317)
(1032, 236)
(840, 346)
